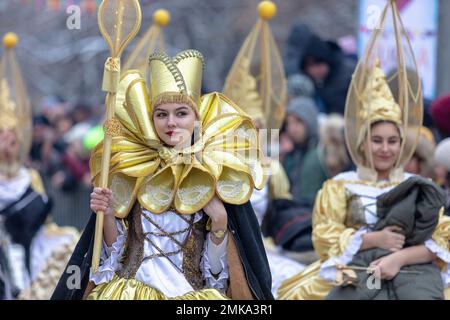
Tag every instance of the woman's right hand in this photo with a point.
(101, 200)
(390, 239)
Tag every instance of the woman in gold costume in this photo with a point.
(347, 214)
(380, 233)
(178, 222)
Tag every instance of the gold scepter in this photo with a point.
(118, 21)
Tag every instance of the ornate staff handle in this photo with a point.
(121, 10)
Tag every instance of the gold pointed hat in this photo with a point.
(256, 81)
(8, 116)
(378, 103)
(15, 110)
(176, 80)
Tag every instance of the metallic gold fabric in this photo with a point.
(176, 80)
(8, 117)
(131, 289)
(279, 182)
(377, 101)
(332, 232)
(36, 182)
(442, 233)
(225, 160)
(377, 104)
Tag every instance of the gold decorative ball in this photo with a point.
(10, 40)
(267, 9)
(161, 17)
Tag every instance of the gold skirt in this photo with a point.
(308, 285)
(131, 289)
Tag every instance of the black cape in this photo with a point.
(243, 226)
(23, 218)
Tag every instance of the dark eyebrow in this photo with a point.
(177, 109)
(380, 137)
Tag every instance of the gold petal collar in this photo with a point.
(225, 161)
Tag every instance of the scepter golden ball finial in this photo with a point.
(10, 40)
(267, 9)
(161, 17)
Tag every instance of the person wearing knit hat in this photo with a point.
(302, 128)
(440, 113)
(305, 110)
(300, 85)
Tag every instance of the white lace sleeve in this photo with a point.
(109, 259)
(214, 264)
(444, 255)
(328, 268)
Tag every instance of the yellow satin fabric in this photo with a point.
(225, 161)
(36, 182)
(279, 182)
(378, 102)
(441, 237)
(131, 289)
(331, 235)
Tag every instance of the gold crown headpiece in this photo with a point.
(176, 80)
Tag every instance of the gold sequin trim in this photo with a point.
(112, 127)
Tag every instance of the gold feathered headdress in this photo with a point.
(225, 160)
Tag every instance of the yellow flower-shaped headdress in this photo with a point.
(224, 161)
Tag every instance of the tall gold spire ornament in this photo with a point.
(15, 109)
(152, 41)
(256, 81)
(384, 88)
(118, 21)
